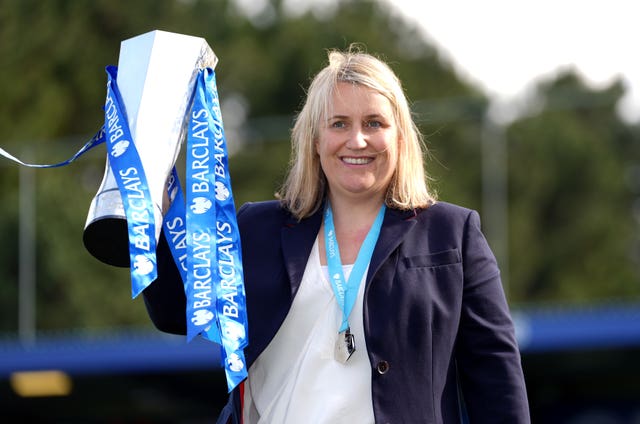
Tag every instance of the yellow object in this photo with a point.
(41, 383)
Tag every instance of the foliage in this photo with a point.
(52, 59)
(571, 223)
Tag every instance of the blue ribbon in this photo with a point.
(231, 298)
(207, 256)
(175, 225)
(129, 175)
(216, 302)
(96, 140)
(134, 190)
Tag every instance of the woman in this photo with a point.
(368, 301)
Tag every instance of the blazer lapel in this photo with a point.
(395, 226)
(297, 241)
(298, 238)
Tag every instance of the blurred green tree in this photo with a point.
(52, 59)
(572, 226)
(54, 80)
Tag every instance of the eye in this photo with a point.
(338, 124)
(373, 124)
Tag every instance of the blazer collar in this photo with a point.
(395, 226)
(298, 238)
(297, 241)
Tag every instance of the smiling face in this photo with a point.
(358, 143)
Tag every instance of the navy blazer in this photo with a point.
(438, 330)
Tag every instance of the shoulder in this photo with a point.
(263, 217)
(270, 209)
(260, 223)
(445, 209)
(447, 214)
(446, 222)
(438, 226)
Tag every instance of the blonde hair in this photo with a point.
(305, 185)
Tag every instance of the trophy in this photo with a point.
(156, 78)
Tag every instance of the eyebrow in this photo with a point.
(370, 116)
(337, 117)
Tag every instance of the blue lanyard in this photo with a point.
(346, 292)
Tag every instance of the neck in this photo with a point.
(350, 213)
(352, 222)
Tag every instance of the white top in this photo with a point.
(296, 379)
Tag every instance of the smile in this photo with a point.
(357, 161)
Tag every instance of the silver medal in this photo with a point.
(345, 346)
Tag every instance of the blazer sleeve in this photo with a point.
(487, 355)
(164, 298)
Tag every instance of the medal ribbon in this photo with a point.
(347, 292)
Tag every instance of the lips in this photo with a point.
(357, 160)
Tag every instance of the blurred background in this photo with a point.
(555, 175)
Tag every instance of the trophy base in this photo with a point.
(107, 239)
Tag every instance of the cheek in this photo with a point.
(320, 151)
(320, 144)
(393, 157)
(392, 148)
(324, 147)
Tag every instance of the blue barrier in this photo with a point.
(574, 328)
(539, 330)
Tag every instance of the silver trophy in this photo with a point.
(156, 77)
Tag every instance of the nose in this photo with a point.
(357, 138)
